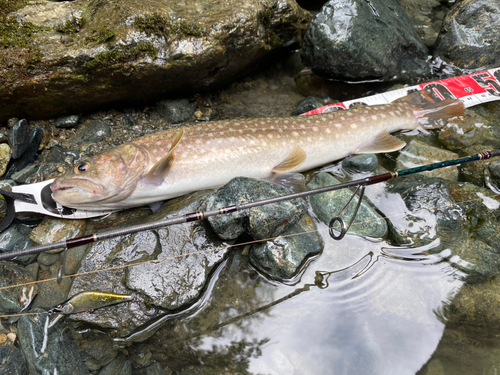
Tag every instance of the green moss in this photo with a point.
(115, 56)
(101, 35)
(8, 6)
(17, 34)
(164, 26)
(71, 26)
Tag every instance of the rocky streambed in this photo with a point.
(266, 290)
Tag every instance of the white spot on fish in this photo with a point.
(286, 121)
(280, 130)
(270, 136)
(338, 126)
(354, 126)
(295, 134)
(264, 143)
(262, 122)
(374, 118)
(237, 123)
(309, 139)
(363, 119)
(328, 131)
(391, 113)
(308, 121)
(302, 126)
(315, 129)
(241, 131)
(383, 115)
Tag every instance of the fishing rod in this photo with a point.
(200, 215)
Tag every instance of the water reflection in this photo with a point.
(360, 308)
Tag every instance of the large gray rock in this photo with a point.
(360, 40)
(181, 259)
(282, 257)
(73, 56)
(367, 222)
(470, 34)
(261, 222)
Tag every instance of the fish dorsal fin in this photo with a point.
(384, 142)
(157, 174)
(292, 161)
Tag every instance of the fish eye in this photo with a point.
(81, 168)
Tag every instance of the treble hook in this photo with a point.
(343, 227)
(62, 269)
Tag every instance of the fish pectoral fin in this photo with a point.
(155, 206)
(157, 174)
(292, 161)
(384, 142)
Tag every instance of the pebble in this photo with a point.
(19, 138)
(176, 111)
(310, 103)
(29, 156)
(53, 229)
(67, 121)
(360, 163)
(5, 154)
(91, 132)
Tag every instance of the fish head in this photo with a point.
(102, 179)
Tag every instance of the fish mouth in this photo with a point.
(75, 190)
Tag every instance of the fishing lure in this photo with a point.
(88, 300)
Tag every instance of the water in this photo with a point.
(360, 307)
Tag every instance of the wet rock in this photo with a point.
(328, 205)
(482, 209)
(492, 176)
(58, 355)
(58, 154)
(282, 257)
(28, 157)
(360, 163)
(432, 212)
(47, 259)
(24, 175)
(12, 362)
(15, 299)
(137, 52)
(469, 36)
(51, 293)
(53, 229)
(13, 238)
(464, 131)
(119, 366)
(19, 138)
(154, 369)
(91, 132)
(67, 121)
(5, 154)
(171, 281)
(426, 17)
(419, 153)
(310, 103)
(474, 172)
(176, 111)
(260, 222)
(98, 351)
(360, 40)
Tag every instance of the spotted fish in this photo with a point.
(177, 161)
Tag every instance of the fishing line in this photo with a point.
(228, 247)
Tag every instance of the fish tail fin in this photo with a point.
(432, 112)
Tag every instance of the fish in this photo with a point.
(178, 161)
